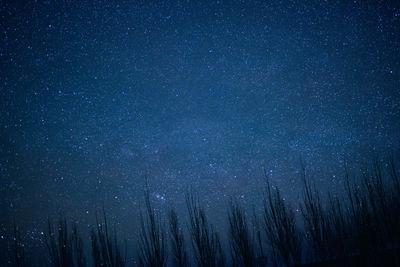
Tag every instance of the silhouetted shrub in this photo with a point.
(152, 240)
(360, 227)
(339, 230)
(59, 243)
(205, 241)
(261, 258)
(18, 247)
(374, 213)
(280, 227)
(316, 220)
(106, 250)
(240, 239)
(78, 249)
(177, 240)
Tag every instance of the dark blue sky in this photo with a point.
(193, 94)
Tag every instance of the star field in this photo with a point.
(194, 95)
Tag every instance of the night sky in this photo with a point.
(194, 95)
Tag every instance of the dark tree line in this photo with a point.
(362, 227)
